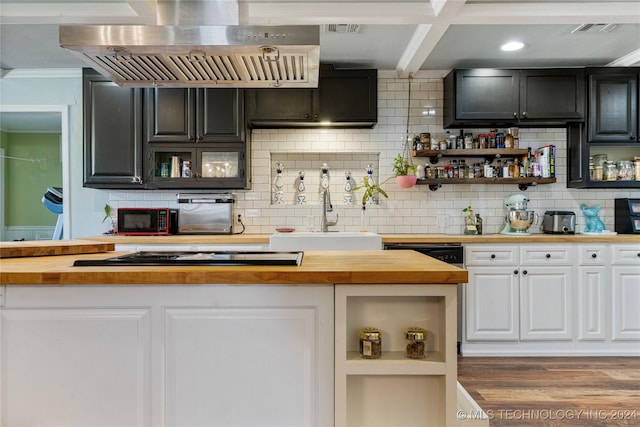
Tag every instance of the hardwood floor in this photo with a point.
(554, 391)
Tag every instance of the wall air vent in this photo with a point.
(341, 28)
(594, 28)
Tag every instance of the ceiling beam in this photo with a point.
(426, 37)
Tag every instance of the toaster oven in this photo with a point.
(205, 213)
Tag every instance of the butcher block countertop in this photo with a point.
(386, 238)
(52, 247)
(318, 267)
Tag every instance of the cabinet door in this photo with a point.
(487, 94)
(97, 359)
(170, 115)
(577, 156)
(219, 166)
(545, 303)
(112, 133)
(273, 105)
(592, 303)
(348, 96)
(552, 94)
(219, 115)
(626, 294)
(492, 297)
(613, 106)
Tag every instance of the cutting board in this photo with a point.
(35, 248)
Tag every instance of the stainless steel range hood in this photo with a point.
(180, 51)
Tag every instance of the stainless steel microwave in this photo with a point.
(143, 221)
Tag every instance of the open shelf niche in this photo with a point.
(396, 390)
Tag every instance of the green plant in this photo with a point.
(107, 215)
(403, 166)
(369, 189)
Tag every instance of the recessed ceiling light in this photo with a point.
(511, 46)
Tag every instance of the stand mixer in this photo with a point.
(518, 219)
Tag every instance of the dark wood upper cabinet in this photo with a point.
(491, 97)
(348, 96)
(281, 105)
(613, 105)
(204, 128)
(344, 98)
(112, 118)
(612, 126)
(194, 115)
(482, 95)
(552, 94)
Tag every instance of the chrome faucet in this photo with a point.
(325, 200)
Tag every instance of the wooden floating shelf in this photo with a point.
(480, 152)
(523, 183)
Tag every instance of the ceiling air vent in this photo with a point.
(594, 28)
(341, 28)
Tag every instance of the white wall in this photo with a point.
(60, 87)
(416, 210)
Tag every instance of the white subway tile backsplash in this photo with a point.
(415, 210)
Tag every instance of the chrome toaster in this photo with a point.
(559, 222)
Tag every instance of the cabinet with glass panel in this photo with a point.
(195, 138)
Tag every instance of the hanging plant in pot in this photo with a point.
(405, 172)
(403, 166)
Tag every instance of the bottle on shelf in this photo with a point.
(479, 223)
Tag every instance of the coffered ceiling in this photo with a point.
(401, 36)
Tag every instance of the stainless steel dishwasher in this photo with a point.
(451, 253)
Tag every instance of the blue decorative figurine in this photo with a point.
(594, 223)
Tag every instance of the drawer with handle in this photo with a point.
(547, 255)
(485, 256)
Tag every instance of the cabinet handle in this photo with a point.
(638, 254)
(524, 271)
(594, 256)
(632, 137)
(493, 256)
(547, 256)
(515, 115)
(515, 271)
(192, 139)
(524, 114)
(307, 116)
(199, 138)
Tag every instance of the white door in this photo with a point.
(492, 299)
(592, 303)
(626, 303)
(545, 303)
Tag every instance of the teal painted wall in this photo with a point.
(26, 181)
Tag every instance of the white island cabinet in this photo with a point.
(232, 345)
(167, 356)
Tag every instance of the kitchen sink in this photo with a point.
(303, 241)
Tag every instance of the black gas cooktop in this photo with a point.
(159, 258)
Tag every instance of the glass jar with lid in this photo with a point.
(370, 343)
(636, 167)
(416, 344)
(625, 170)
(610, 171)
